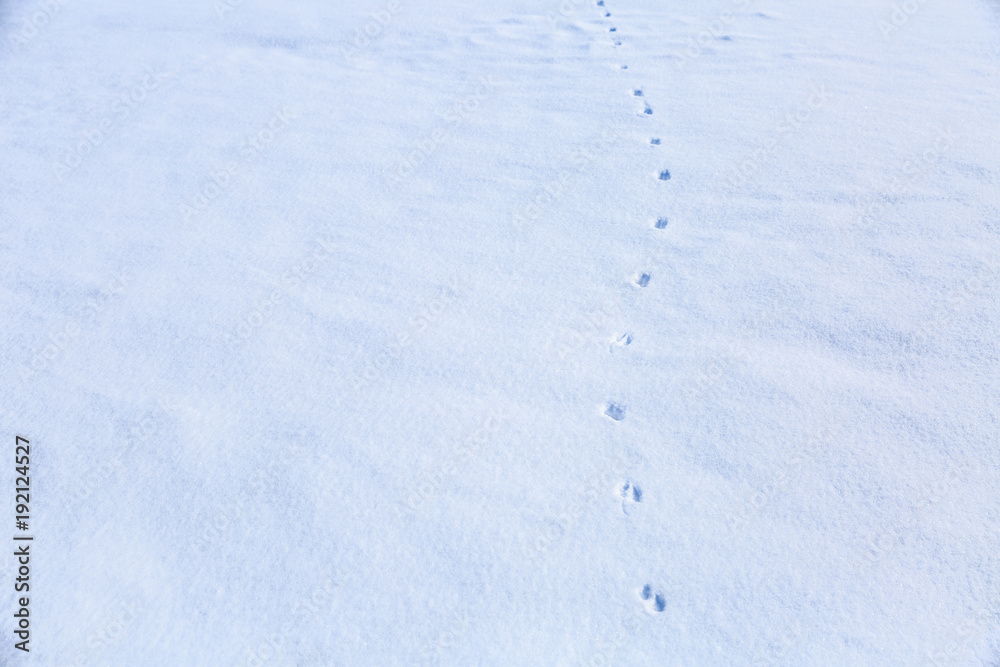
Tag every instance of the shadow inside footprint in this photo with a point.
(647, 592)
(632, 492)
(642, 280)
(654, 141)
(648, 110)
(637, 92)
(661, 223)
(659, 603)
(615, 411)
(665, 175)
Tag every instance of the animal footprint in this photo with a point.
(612, 28)
(615, 411)
(665, 175)
(655, 141)
(642, 280)
(623, 340)
(631, 492)
(648, 110)
(659, 603)
(661, 223)
(624, 66)
(637, 92)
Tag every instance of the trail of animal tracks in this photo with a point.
(505, 333)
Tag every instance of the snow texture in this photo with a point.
(503, 333)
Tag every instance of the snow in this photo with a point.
(497, 336)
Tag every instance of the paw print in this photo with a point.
(631, 492)
(654, 601)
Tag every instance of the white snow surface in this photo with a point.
(332, 349)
